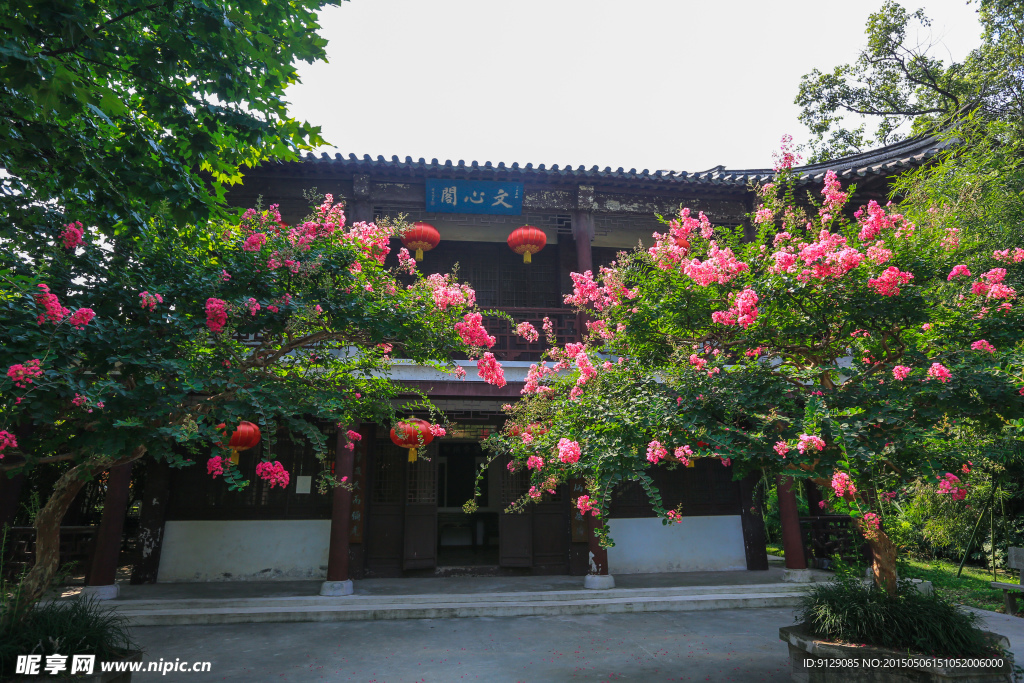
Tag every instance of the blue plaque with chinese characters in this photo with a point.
(474, 196)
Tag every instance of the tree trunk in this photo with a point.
(48, 521)
(883, 551)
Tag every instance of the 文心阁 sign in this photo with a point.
(474, 196)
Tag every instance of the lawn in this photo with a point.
(970, 589)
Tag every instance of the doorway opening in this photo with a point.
(465, 540)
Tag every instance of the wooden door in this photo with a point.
(551, 533)
(385, 521)
(420, 548)
(515, 530)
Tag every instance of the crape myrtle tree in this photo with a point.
(161, 350)
(844, 345)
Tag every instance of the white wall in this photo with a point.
(244, 550)
(645, 546)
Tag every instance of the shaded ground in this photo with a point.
(723, 645)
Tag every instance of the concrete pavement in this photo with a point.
(721, 645)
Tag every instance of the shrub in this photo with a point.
(67, 627)
(848, 610)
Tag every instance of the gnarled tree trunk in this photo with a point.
(47, 525)
(883, 551)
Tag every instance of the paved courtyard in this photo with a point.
(720, 645)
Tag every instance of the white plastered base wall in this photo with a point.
(241, 550)
(645, 546)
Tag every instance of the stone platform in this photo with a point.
(432, 598)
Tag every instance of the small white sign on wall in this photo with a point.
(303, 484)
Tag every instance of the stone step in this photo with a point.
(342, 609)
(314, 601)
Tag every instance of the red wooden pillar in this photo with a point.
(102, 572)
(789, 516)
(338, 582)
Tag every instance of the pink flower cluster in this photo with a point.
(490, 370)
(991, 285)
(877, 220)
(527, 331)
(80, 318)
(720, 267)
(216, 314)
(948, 485)
(273, 472)
(781, 447)
(534, 462)
(446, 294)
(889, 282)
(743, 311)
(832, 191)
(472, 331)
(672, 247)
(72, 235)
(406, 263)
(887, 495)
(24, 374)
(1004, 255)
(568, 451)
(585, 505)
(952, 239)
(674, 516)
(982, 345)
(372, 239)
(7, 440)
(842, 485)
(958, 271)
(533, 378)
(656, 452)
(697, 362)
(873, 520)
(786, 156)
(254, 242)
(54, 311)
(900, 372)
(809, 442)
(437, 430)
(939, 372)
(150, 300)
(215, 466)
(877, 254)
(354, 435)
(683, 454)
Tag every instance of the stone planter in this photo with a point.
(819, 661)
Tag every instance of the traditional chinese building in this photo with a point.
(406, 519)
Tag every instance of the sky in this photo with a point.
(655, 84)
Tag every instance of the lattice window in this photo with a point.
(422, 486)
(514, 485)
(387, 473)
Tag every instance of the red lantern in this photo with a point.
(411, 434)
(683, 244)
(421, 237)
(527, 240)
(245, 436)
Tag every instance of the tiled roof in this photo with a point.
(881, 162)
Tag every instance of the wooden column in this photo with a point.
(789, 516)
(753, 525)
(338, 582)
(107, 548)
(151, 522)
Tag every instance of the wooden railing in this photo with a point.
(512, 347)
(827, 536)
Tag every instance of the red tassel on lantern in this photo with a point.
(246, 436)
(527, 240)
(411, 434)
(421, 237)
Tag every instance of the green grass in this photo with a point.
(970, 589)
(775, 550)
